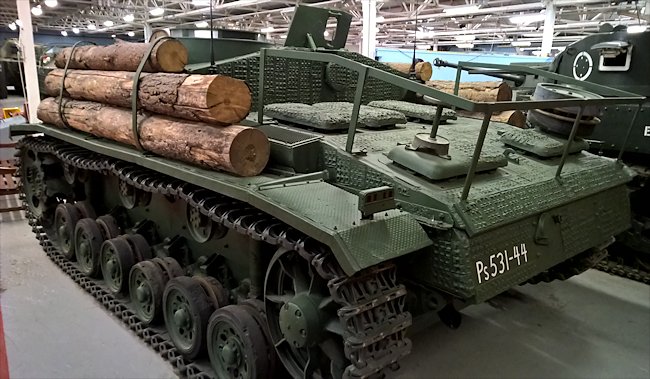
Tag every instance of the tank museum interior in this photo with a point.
(358, 189)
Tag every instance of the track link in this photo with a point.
(372, 302)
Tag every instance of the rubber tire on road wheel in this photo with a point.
(250, 335)
(125, 260)
(88, 229)
(155, 279)
(140, 246)
(199, 310)
(66, 216)
(109, 226)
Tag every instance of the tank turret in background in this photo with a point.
(619, 58)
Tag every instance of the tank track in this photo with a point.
(372, 302)
(623, 270)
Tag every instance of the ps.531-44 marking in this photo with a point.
(501, 262)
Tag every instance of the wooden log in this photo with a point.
(237, 149)
(476, 91)
(215, 99)
(167, 56)
(515, 118)
(423, 70)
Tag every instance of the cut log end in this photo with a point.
(249, 152)
(171, 56)
(228, 99)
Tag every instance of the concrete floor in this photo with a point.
(592, 326)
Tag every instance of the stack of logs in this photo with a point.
(180, 116)
(483, 92)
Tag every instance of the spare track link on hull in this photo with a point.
(624, 271)
(372, 303)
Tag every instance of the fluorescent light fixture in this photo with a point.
(284, 36)
(19, 23)
(91, 26)
(51, 3)
(113, 36)
(37, 11)
(423, 47)
(157, 11)
(75, 30)
(465, 37)
(129, 17)
(464, 45)
(108, 23)
(12, 26)
(201, 24)
(326, 34)
(637, 28)
(457, 11)
(520, 43)
(131, 34)
(64, 33)
(201, 3)
(527, 18)
(267, 29)
(380, 19)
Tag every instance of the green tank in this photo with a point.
(619, 59)
(363, 218)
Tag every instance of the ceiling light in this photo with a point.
(37, 11)
(113, 36)
(326, 34)
(108, 23)
(201, 24)
(284, 36)
(464, 45)
(201, 3)
(520, 43)
(129, 18)
(75, 30)
(465, 37)
(51, 3)
(637, 28)
(64, 33)
(380, 19)
(527, 18)
(267, 29)
(157, 11)
(131, 34)
(19, 23)
(12, 26)
(457, 11)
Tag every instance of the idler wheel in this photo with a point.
(186, 309)
(88, 245)
(199, 225)
(109, 227)
(117, 258)
(146, 287)
(302, 318)
(237, 346)
(65, 220)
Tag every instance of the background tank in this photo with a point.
(620, 59)
(318, 263)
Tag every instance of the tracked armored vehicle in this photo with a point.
(620, 59)
(361, 220)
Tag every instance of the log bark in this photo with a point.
(214, 99)
(476, 91)
(515, 118)
(237, 149)
(167, 56)
(423, 70)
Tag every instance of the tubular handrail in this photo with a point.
(610, 95)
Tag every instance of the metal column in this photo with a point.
(369, 28)
(29, 58)
(549, 29)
